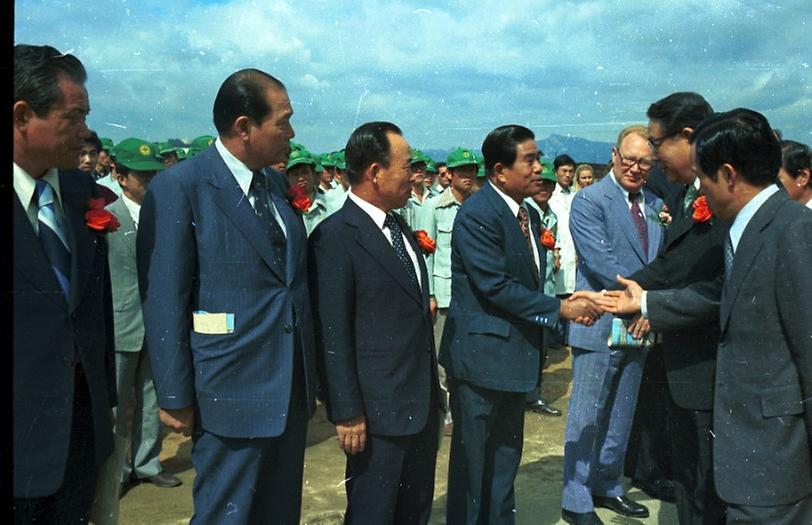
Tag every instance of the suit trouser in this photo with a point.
(73, 501)
(486, 449)
(791, 514)
(137, 417)
(691, 451)
(601, 410)
(392, 480)
(439, 324)
(535, 394)
(253, 480)
(648, 456)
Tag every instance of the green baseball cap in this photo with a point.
(137, 155)
(199, 144)
(341, 162)
(327, 160)
(431, 166)
(294, 146)
(107, 144)
(418, 156)
(165, 147)
(547, 170)
(481, 170)
(299, 156)
(461, 157)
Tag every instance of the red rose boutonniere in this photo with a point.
(299, 200)
(548, 239)
(702, 213)
(98, 219)
(426, 243)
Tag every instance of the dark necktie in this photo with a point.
(400, 247)
(524, 224)
(690, 194)
(259, 187)
(728, 257)
(639, 221)
(52, 235)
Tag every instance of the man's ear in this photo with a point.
(803, 178)
(686, 132)
(22, 114)
(730, 175)
(372, 172)
(242, 127)
(499, 171)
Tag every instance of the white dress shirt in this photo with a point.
(560, 203)
(514, 209)
(25, 185)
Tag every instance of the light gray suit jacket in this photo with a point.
(127, 318)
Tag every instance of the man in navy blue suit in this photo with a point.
(64, 369)
(226, 308)
(375, 337)
(492, 339)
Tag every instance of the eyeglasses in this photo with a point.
(628, 163)
(655, 143)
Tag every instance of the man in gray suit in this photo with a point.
(615, 229)
(137, 416)
(762, 423)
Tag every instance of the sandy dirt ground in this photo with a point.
(538, 485)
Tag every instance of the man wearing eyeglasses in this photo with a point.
(615, 229)
(692, 252)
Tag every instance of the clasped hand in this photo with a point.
(626, 302)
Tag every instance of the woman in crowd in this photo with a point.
(796, 166)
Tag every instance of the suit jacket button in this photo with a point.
(288, 329)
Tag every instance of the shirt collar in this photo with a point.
(445, 199)
(241, 172)
(747, 212)
(133, 207)
(25, 184)
(513, 205)
(376, 214)
(640, 198)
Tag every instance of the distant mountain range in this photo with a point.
(581, 150)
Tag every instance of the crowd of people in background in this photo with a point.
(224, 287)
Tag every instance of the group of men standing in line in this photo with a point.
(248, 322)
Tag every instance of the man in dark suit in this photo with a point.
(64, 375)
(692, 253)
(221, 263)
(492, 339)
(762, 426)
(375, 338)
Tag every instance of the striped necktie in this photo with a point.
(400, 247)
(728, 257)
(262, 208)
(639, 220)
(524, 224)
(52, 235)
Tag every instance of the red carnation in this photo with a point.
(548, 239)
(426, 243)
(702, 212)
(299, 200)
(99, 219)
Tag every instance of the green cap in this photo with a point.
(137, 155)
(327, 160)
(299, 156)
(165, 147)
(199, 144)
(547, 170)
(481, 170)
(340, 161)
(418, 156)
(295, 146)
(431, 166)
(107, 144)
(461, 157)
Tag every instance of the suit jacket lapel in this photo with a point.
(654, 230)
(127, 229)
(372, 239)
(82, 241)
(515, 237)
(421, 261)
(749, 246)
(30, 258)
(681, 224)
(235, 205)
(624, 217)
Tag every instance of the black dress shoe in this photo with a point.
(163, 480)
(621, 505)
(580, 518)
(540, 407)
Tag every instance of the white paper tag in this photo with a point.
(206, 323)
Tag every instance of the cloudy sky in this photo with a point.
(445, 72)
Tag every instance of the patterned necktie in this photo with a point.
(690, 195)
(400, 247)
(524, 224)
(52, 235)
(259, 187)
(639, 221)
(728, 257)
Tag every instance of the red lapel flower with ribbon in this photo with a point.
(98, 219)
(426, 243)
(702, 212)
(299, 200)
(548, 239)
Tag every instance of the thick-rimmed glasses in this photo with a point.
(628, 163)
(655, 143)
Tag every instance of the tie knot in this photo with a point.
(522, 214)
(633, 195)
(390, 222)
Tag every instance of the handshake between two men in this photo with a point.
(586, 307)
